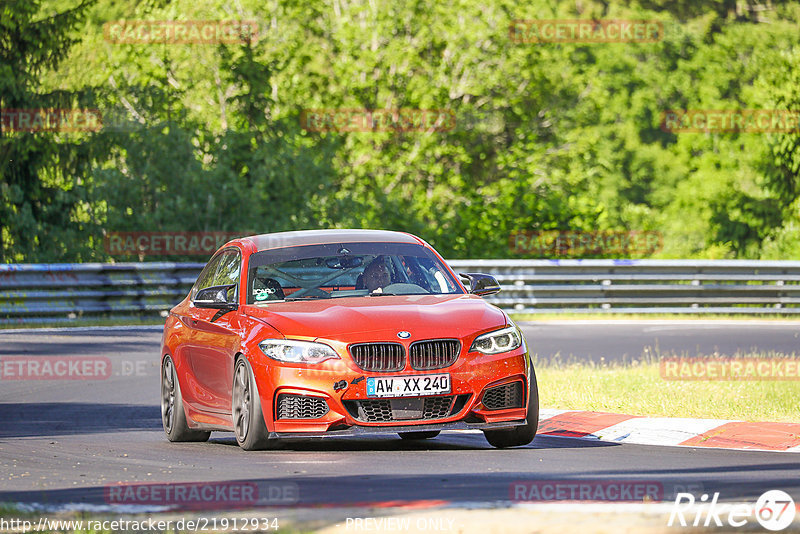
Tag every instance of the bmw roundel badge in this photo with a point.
(403, 334)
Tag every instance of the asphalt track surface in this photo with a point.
(68, 441)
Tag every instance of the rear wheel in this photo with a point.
(428, 434)
(173, 414)
(523, 434)
(248, 419)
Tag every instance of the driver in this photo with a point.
(376, 275)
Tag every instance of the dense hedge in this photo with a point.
(509, 136)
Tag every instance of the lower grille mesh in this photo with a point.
(301, 407)
(376, 411)
(503, 397)
(437, 407)
(380, 410)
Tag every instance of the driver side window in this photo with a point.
(228, 270)
(221, 270)
(206, 275)
(228, 273)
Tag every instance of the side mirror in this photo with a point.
(215, 297)
(481, 284)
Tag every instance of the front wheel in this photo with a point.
(523, 434)
(173, 415)
(248, 419)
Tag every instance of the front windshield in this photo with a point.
(346, 270)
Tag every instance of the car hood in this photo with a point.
(381, 318)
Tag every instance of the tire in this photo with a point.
(173, 413)
(248, 419)
(427, 434)
(523, 434)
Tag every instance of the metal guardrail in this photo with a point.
(65, 292)
(643, 286)
(42, 293)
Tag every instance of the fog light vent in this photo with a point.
(301, 407)
(503, 397)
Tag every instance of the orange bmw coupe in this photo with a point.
(342, 332)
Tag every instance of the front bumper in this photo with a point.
(337, 382)
(376, 431)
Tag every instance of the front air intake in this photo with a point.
(301, 407)
(503, 397)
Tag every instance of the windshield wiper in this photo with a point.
(309, 297)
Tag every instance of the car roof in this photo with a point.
(316, 237)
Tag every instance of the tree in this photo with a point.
(41, 173)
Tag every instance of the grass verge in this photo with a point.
(10, 509)
(637, 388)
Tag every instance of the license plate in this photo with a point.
(408, 386)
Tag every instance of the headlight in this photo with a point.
(293, 351)
(498, 341)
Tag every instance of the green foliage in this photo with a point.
(547, 136)
(43, 200)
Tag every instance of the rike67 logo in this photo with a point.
(774, 510)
